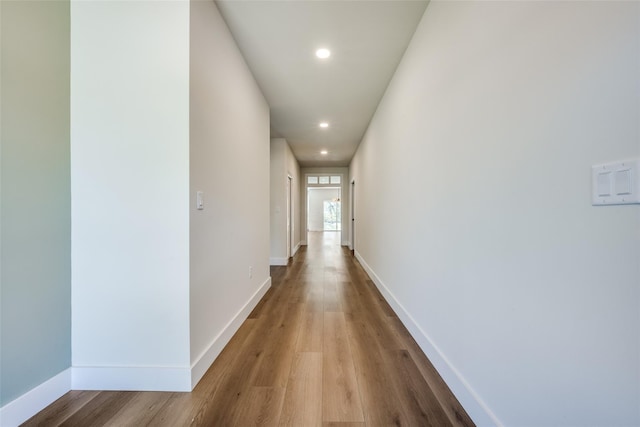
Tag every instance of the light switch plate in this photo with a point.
(616, 183)
(199, 200)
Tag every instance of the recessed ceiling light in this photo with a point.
(324, 152)
(324, 125)
(323, 53)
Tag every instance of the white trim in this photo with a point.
(35, 400)
(204, 361)
(322, 172)
(278, 261)
(134, 378)
(295, 249)
(163, 378)
(477, 409)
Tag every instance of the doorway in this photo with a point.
(289, 216)
(324, 209)
(353, 217)
(324, 214)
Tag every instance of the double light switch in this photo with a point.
(615, 183)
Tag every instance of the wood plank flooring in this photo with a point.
(322, 348)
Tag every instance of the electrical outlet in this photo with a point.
(250, 272)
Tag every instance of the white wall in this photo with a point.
(35, 290)
(138, 248)
(283, 165)
(292, 168)
(130, 194)
(315, 206)
(278, 203)
(345, 198)
(487, 243)
(230, 163)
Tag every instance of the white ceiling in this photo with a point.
(278, 40)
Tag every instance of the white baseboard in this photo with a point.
(204, 361)
(35, 400)
(477, 409)
(303, 243)
(278, 261)
(29, 404)
(295, 249)
(143, 378)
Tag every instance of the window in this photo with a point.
(324, 180)
(332, 215)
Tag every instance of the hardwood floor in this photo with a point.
(322, 348)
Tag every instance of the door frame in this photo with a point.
(352, 201)
(289, 233)
(304, 203)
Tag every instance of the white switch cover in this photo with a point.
(604, 183)
(616, 183)
(623, 182)
(199, 200)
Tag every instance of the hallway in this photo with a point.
(321, 348)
